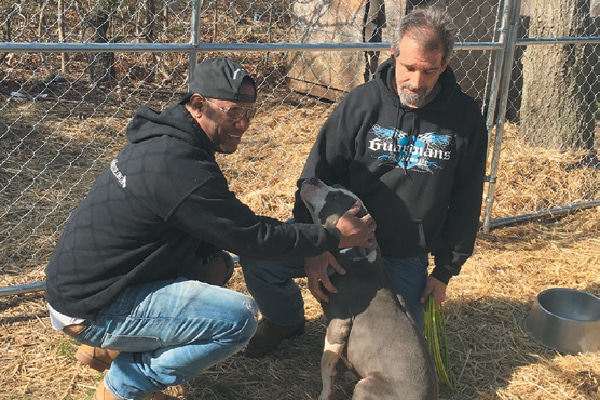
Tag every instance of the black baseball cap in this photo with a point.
(221, 78)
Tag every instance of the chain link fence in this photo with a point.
(74, 72)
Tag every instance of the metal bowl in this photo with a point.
(566, 320)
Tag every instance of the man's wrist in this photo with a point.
(442, 274)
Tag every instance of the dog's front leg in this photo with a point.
(336, 338)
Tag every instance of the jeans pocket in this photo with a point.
(132, 343)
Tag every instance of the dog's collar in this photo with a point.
(360, 253)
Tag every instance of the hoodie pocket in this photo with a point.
(407, 241)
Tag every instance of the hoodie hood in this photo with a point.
(175, 121)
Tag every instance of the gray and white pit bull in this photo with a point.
(366, 318)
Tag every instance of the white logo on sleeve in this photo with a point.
(117, 173)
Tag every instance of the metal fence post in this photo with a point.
(195, 25)
(507, 63)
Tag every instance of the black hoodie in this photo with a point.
(419, 171)
(160, 208)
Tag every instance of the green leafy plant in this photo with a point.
(434, 330)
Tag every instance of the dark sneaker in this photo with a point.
(269, 336)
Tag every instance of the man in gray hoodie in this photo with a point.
(413, 147)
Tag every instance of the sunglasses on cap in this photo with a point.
(235, 113)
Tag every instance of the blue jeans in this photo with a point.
(168, 332)
(280, 300)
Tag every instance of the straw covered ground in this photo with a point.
(491, 355)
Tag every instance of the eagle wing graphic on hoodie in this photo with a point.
(422, 153)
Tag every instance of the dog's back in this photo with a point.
(382, 337)
(368, 321)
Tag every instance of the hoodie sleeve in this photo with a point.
(181, 183)
(332, 151)
(212, 213)
(462, 222)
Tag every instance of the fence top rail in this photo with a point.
(562, 40)
(260, 47)
(191, 48)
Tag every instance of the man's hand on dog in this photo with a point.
(356, 232)
(318, 279)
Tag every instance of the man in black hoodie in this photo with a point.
(413, 147)
(135, 276)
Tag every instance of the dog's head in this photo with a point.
(327, 204)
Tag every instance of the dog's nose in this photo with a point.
(314, 180)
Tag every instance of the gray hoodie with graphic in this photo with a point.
(419, 171)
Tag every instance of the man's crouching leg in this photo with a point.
(279, 298)
(167, 333)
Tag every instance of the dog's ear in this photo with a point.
(363, 211)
